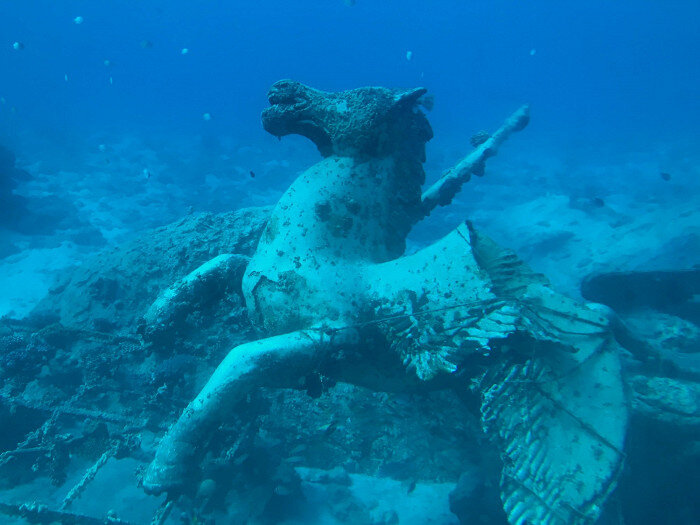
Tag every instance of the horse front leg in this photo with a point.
(274, 361)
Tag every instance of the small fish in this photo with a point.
(598, 202)
(532, 52)
(328, 428)
(18, 46)
(107, 63)
(146, 173)
(411, 487)
(409, 55)
(78, 20)
(252, 174)
(184, 51)
(665, 176)
(206, 116)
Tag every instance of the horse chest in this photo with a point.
(323, 231)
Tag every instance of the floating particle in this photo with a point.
(598, 202)
(65, 77)
(18, 46)
(2, 100)
(665, 176)
(409, 55)
(78, 20)
(184, 51)
(146, 44)
(107, 63)
(252, 174)
(146, 173)
(102, 148)
(206, 116)
(349, 3)
(532, 52)
(111, 81)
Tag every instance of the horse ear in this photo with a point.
(409, 97)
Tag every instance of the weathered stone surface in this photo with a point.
(115, 288)
(667, 401)
(327, 282)
(200, 290)
(364, 122)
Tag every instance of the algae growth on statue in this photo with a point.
(329, 281)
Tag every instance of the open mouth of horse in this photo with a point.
(278, 98)
(286, 112)
(286, 95)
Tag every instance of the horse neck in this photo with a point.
(364, 207)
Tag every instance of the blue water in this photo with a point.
(123, 116)
(623, 72)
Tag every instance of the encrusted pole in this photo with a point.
(444, 190)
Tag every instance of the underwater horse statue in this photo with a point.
(329, 281)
